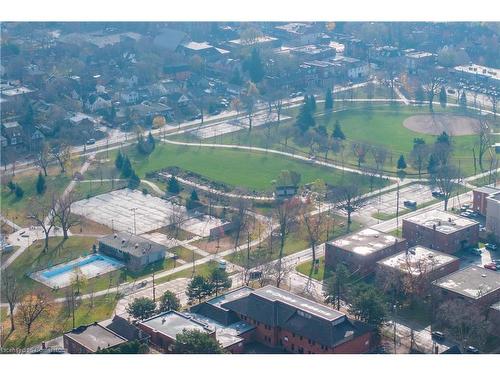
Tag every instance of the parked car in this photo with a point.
(465, 214)
(491, 246)
(410, 204)
(437, 335)
(91, 141)
(437, 194)
(490, 266)
(472, 350)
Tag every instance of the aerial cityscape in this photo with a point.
(250, 188)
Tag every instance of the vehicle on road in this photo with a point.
(437, 194)
(491, 246)
(476, 251)
(437, 335)
(490, 266)
(91, 141)
(410, 204)
(472, 350)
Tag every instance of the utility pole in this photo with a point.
(135, 229)
(154, 288)
(397, 210)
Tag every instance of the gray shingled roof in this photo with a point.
(134, 245)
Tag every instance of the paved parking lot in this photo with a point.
(387, 203)
(116, 210)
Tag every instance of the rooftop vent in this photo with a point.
(115, 235)
(136, 245)
(483, 275)
(123, 241)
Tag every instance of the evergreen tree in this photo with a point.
(463, 101)
(134, 181)
(173, 185)
(337, 131)
(126, 168)
(19, 191)
(255, 66)
(433, 164)
(40, 184)
(11, 185)
(305, 119)
(194, 196)
(419, 94)
(169, 301)
(443, 138)
(119, 160)
(368, 304)
(151, 142)
(401, 162)
(196, 342)
(220, 280)
(199, 288)
(442, 97)
(311, 102)
(328, 100)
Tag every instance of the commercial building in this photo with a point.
(493, 215)
(418, 60)
(135, 251)
(361, 251)
(90, 339)
(440, 230)
(419, 265)
(474, 284)
(479, 74)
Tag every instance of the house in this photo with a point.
(89, 339)
(297, 33)
(285, 321)
(479, 198)
(493, 215)
(260, 41)
(13, 131)
(96, 102)
(183, 101)
(418, 60)
(440, 230)
(36, 140)
(418, 265)
(130, 97)
(361, 251)
(474, 284)
(135, 251)
(4, 141)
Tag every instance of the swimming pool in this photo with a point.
(90, 266)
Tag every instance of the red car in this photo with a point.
(490, 266)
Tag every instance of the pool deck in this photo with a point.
(61, 275)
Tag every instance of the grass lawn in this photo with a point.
(57, 320)
(250, 170)
(185, 254)
(200, 269)
(16, 209)
(318, 273)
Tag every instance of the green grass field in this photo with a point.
(250, 170)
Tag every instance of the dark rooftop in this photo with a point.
(231, 296)
(472, 282)
(134, 245)
(171, 323)
(95, 337)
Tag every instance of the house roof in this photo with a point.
(95, 337)
(11, 125)
(134, 245)
(472, 282)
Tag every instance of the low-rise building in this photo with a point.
(418, 266)
(13, 131)
(474, 284)
(135, 251)
(91, 338)
(493, 215)
(479, 195)
(494, 318)
(417, 60)
(361, 251)
(479, 73)
(440, 230)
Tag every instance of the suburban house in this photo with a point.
(135, 251)
(440, 230)
(13, 131)
(418, 264)
(474, 284)
(91, 338)
(361, 251)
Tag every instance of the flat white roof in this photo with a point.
(492, 73)
(444, 222)
(366, 241)
(417, 260)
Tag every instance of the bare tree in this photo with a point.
(12, 293)
(176, 219)
(32, 306)
(63, 214)
(62, 153)
(360, 150)
(43, 215)
(432, 86)
(446, 178)
(465, 322)
(419, 156)
(239, 219)
(43, 158)
(286, 215)
(493, 97)
(348, 198)
(484, 141)
(379, 156)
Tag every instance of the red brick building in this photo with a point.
(479, 202)
(291, 323)
(361, 251)
(440, 230)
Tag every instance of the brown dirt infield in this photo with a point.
(435, 124)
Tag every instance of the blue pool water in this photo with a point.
(69, 267)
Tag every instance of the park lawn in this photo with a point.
(203, 269)
(250, 170)
(58, 320)
(17, 209)
(185, 254)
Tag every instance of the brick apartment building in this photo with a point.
(419, 265)
(361, 251)
(476, 285)
(479, 201)
(285, 321)
(493, 215)
(440, 230)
